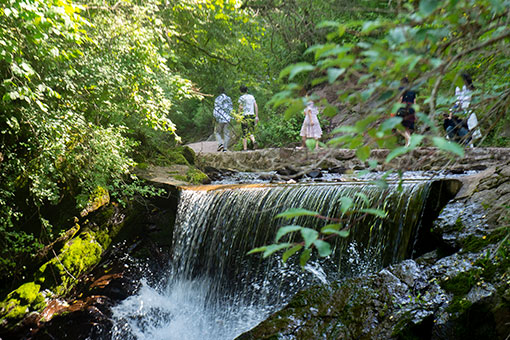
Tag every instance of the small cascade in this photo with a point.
(216, 291)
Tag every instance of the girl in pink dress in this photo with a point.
(311, 127)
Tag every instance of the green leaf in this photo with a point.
(330, 111)
(363, 197)
(415, 141)
(372, 163)
(310, 143)
(333, 226)
(340, 140)
(298, 68)
(305, 256)
(295, 212)
(295, 107)
(285, 230)
(448, 146)
(309, 236)
(345, 129)
(377, 212)
(427, 7)
(369, 26)
(334, 73)
(328, 23)
(363, 152)
(288, 253)
(329, 231)
(346, 204)
(395, 153)
(324, 248)
(257, 250)
(273, 248)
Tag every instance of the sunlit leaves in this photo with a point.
(285, 230)
(296, 69)
(448, 146)
(295, 212)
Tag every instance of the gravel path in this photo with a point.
(204, 147)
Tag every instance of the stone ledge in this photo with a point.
(419, 159)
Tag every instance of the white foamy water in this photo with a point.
(183, 311)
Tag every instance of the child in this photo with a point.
(408, 119)
(311, 127)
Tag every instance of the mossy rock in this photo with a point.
(195, 176)
(170, 157)
(21, 301)
(189, 154)
(78, 255)
(474, 243)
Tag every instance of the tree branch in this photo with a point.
(207, 53)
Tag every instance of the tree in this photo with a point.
(82, 86)
(431, 42)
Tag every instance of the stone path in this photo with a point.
(204, 147)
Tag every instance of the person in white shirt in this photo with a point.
(250, 112)
(222, 114)
(463, 102)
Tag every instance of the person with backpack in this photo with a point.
(222, 113)
(456, 128)
(408, 116)
(250, 116)
(462, 104)
(407, 112)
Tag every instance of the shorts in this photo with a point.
(248, 125)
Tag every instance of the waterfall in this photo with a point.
(215, 291)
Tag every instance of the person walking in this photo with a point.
(406, 111)
(222, 114)
(311, 127)
(250, 116)
(463, 101)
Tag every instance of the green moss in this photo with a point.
(78, 255)
(461, 284)
(459, 226)
(170, 157)
(474, 244)
(181, 178)
(196, 176)
(459, 305)
(142, 166)
(15, 311)
(21, 301)
(189, 154)
(28, 293)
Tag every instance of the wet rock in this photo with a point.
(337, 170)
(315, 173)
(287, 171)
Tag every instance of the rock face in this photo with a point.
(460, 289)
(419, 159)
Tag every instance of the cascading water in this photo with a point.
(215, 291)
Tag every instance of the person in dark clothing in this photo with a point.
(408, 116)
(409, 95)
(456, 128)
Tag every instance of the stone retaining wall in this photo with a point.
(419, 159)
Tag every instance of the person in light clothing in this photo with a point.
(311, 127)
(250, 116)
(463, 102)
(222, 114)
